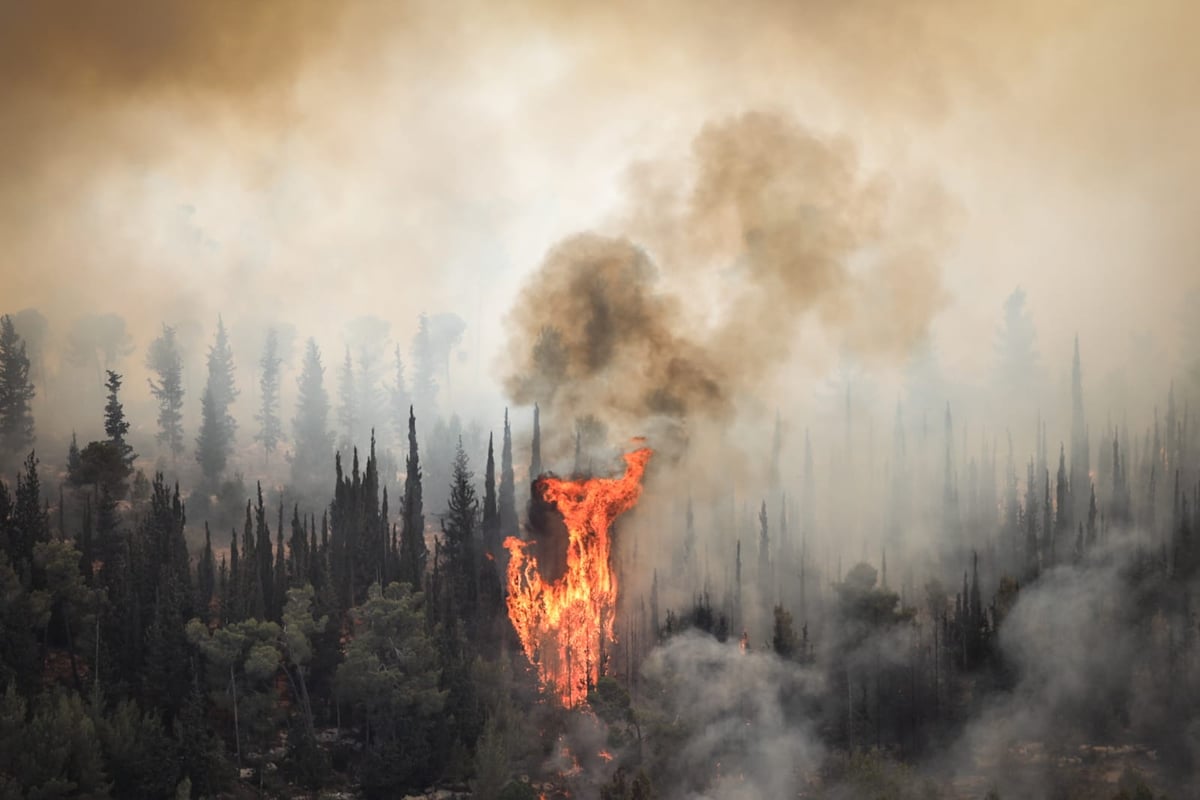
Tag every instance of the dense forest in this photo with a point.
(340, 626)
(532, 400)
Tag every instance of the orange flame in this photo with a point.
(563, 625)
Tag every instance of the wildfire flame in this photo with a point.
(564, 624)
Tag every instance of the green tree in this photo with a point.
(16, 396)
(243, 659)
(51, 750)
(164, 359)
(115, 424)
(390, 679)
(140, 753)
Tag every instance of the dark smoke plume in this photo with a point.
(766, 225)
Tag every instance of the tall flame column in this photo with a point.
(563, 625)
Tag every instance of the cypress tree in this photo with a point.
(263, 552)
(413, 551)
(279, 574)
(231, 601)
(506, 502)
(206, 577)
(535, 460)
(491, 511)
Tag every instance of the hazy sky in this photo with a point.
(315, 161)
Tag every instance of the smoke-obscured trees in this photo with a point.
(34, 329)
(165, 360)
(99, 341)
(270, 430)
(217, 426)
(16, 396)
(310, 426)
(1017, 364)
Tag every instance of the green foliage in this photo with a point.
(115, 424)
(53, 751)
(390, 679)
(491, 762)
(139, 753)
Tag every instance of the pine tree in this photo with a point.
(314, 442)
(164, 359)
(270, 430)
(115, 424)
(506, 501)
(413, 551)
(16, 396)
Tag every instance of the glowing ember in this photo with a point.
(564, 624)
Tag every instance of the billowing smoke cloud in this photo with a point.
(738, 726)
(767, 225)
(1071, 647)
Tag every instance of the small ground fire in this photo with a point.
(564, 624)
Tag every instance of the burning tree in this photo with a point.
(564, 623)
